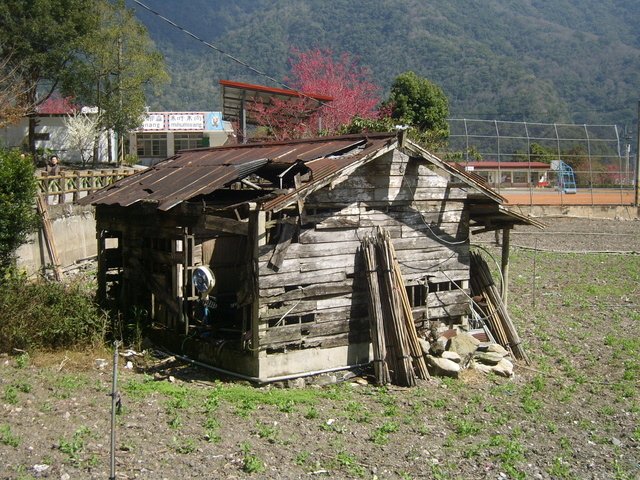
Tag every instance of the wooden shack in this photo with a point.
(280, 227)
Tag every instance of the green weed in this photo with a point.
(10, 395)
(184, 446)
(380, 435)
(7, 437)
(75, 445)
(251, 463)
(350, 464)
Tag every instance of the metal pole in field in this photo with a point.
(637, 189)
(114, 405)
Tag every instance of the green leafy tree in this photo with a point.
(17, 193)
(39, 39)
(539, 153)
(419, 103)
(119, 62)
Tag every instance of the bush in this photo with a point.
(17, 196)
(47, 315)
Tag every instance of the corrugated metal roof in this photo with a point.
(202, 171)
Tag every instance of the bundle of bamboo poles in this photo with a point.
(496, 314)
(48, 237)
(398, 357)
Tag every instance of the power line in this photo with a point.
(217, 49)
(233, 58)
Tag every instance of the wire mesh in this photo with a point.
(594, 152)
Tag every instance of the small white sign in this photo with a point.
(186, 121)
(153, 121)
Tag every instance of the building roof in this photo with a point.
(296, 168)
(233, 94)
(57, 106)
(196, 172)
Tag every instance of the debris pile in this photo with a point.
(454, 351)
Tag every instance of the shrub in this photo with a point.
(17, 193)
(47, 315)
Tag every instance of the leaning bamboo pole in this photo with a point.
(400, 352)
(380, 365)
(412, 335)
(498, 316)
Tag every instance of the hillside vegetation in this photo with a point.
(563, 60)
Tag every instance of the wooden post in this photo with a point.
(102, 267)
(256, 238)
(63, 188)
(505, 264)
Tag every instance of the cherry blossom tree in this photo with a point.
(320, 72)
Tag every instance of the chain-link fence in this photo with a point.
(588, 161)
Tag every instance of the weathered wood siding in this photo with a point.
(317, 295)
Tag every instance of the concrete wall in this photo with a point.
(611, 212)
(74, 232)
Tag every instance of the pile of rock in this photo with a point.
(453, 352)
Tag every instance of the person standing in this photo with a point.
(53, 167)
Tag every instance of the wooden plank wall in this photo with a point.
(317, 297)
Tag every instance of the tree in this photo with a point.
(12, 91)
(39, 39)
(319, 72)
(419, 103)
(118, 64)
(17, 215)
(82, 130)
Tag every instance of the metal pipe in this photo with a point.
(262, 381)
(114, 402)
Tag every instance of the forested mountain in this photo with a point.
(572, 61)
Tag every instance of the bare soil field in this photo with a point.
(572, 414)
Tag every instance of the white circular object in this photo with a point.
(203, 279)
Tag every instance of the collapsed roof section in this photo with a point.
(277, 174)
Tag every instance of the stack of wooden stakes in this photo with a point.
(497, 317)
(398, 356)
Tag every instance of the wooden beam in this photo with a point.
(287, 231)
(226, 225)
(505, 263)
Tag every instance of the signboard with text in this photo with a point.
(182, 121)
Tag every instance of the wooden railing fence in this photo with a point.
(71, 185)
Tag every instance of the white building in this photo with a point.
(162, 134)
(51, 132)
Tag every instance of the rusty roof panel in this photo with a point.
(201, 171)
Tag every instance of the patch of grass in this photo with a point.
(175, 422)
(10, 395)
(22, 360)
(184, 446)
(302, 458)
(311, 413)
(380, 435)
(75, 446)
(349, 463)
(267, 431)
(251, 463)
(560, 469)
(67, 384)
(465, 428)
(211, 426)
(7, 437)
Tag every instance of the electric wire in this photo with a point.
(235, 59)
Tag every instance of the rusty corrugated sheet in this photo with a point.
(202, 171)
(326, 168)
